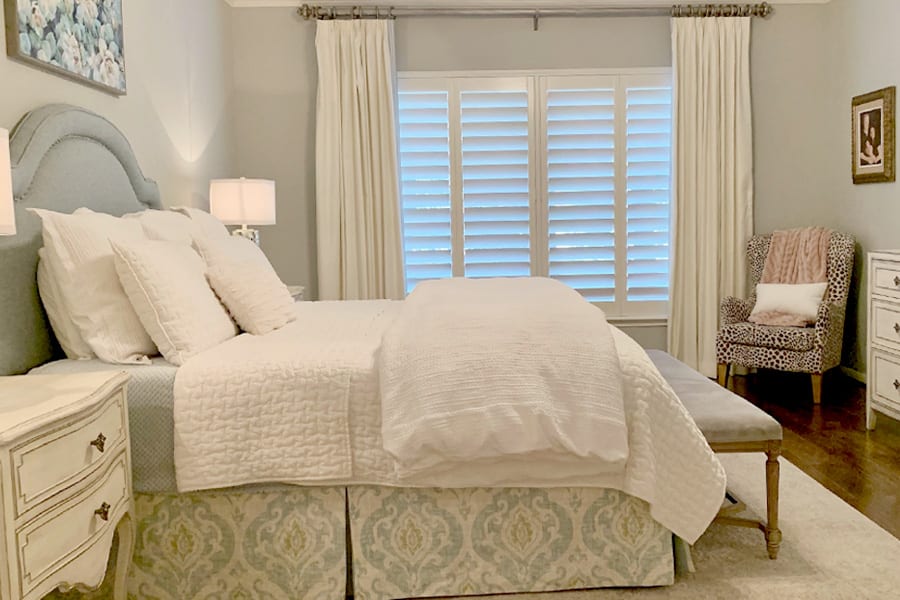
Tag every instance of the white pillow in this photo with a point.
(205, 225)
(167, 286)
(67, 333)
(800, 299)
(78, 252)
(244, 279)
(165, 225)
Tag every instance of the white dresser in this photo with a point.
(883, 388)
(65, 482)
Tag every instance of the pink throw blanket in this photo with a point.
(795, 256)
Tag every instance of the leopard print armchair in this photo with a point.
(812, 350)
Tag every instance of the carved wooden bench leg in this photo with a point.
(773, 469)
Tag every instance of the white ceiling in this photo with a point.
(499, 3)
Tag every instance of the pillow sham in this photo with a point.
(79, 254)
(205, 225)
(167, 286)
(244, 279)
(787, 304)
(165, 225)
(67, 334)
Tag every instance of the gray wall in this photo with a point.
(177, 111)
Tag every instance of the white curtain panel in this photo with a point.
(360, 247)
(712, 179)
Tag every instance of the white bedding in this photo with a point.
(481, 369)
(301, 405)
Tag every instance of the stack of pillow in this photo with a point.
(154, 282)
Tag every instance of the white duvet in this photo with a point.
(301, 405)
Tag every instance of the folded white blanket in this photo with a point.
(474, 369)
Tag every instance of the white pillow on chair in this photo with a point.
(166, 283)
(244, 279)
(801, 300)
(79, 254)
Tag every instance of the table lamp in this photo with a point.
(7, 207)
(243, 202)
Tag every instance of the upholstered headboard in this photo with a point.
(63, 157)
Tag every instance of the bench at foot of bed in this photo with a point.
(730, 424)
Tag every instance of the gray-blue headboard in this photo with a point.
(63, 157)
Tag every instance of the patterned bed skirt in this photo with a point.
(290, 543)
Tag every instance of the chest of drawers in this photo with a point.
(883, 302)
(65, 478)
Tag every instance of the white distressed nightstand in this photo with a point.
(65, 482)
(883, 389)
(297, 291)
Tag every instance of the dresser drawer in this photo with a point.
(886, 371)
(886, 278)
(886, 324)
(68, 530)
(55, 459)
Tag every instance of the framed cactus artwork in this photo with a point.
(79, 39)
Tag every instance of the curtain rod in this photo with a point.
(310, 12)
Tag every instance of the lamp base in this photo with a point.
(250, 234)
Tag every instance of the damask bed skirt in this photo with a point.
(291, 542)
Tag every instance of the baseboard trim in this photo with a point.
(854, 374)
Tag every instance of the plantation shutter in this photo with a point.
(580, 163)
(649, 142)
(424, 145)
(494, 129)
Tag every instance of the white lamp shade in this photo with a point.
(243, 201)
(7, 209)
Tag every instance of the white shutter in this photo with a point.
(648, 147)
(425, 181)
(494, 127)
(580, 179)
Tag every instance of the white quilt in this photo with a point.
(302, 406)
(481, 369)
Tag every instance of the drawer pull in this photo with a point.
(103, 511)
(897, 280)
(100, 442)
(896, 385)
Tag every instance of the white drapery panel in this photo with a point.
(712, 166)
(360, 247)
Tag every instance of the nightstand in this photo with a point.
(297, 291)
(65, 483)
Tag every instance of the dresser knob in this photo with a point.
(897, 281)
(100, 442)
(896, 385)
(103, 511)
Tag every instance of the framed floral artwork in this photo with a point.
(78, 39)
(873, 137)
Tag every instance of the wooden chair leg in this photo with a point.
(773, 468)
(723, 371)
(817, 388)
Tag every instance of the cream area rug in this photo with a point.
(830, 551)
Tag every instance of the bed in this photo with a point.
(327, 537)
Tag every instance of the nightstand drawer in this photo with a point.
(48, 542)
(55, 459)
(886, 371)
(886, 278)
(886, 324)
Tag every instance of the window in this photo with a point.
(556, 175)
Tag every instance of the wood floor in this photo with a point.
(830, 442)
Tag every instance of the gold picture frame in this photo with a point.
(872, 142)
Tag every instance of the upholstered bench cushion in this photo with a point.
(722, 416)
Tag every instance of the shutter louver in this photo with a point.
(425, 185)
(581, 190)
(495, 183)
(648, 148)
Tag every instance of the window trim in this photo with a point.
(537, 81)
